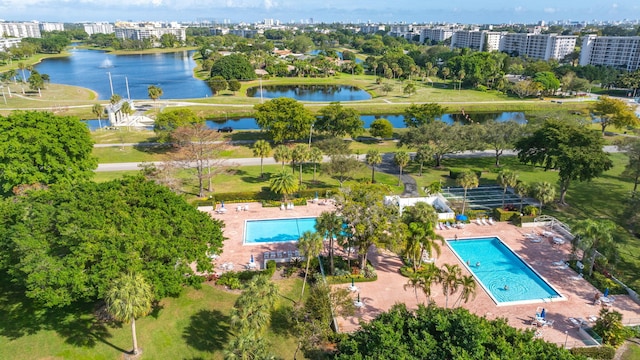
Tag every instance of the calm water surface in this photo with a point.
(173, 72)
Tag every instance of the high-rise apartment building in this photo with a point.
(98, 28)
(622, 52)
(20, 29)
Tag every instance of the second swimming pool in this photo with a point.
(277, 230)
(502, 273)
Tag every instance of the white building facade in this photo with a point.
(47, 26)
(98, 28)
(143, 31)
(20, 29)
(622, 52)
(435, 34)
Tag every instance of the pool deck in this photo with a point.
(380, 295)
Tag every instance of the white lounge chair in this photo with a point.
(447, 226)
(479, 222)
(558, 263)
(484, 222)
(490, 221)
(246, 208)
(536, 239)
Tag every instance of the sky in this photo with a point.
(377, 11)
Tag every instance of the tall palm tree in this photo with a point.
(310, 245)
(154, 92)
(128, 298)
(423, 280)
(282, 153)
(590, 235)
(373, 158)
(299, 155)
(469, 287)
(329, 224)
(401, 158)
(506, 178)
(468, 180)
(315, 156)
(284, 182)
(544, 192)
(261, 148)
(522, 189)
(415, 281)
(450, 278)
(421, 236)
(97, 110)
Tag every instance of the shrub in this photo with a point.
(481, 88)
(504, 215)
(271, 268)
(604, 352)
(455, 172)
(530, 210)
(229, 279)
(369, 272)
(523, 219)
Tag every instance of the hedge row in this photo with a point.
(504, 215)
(265, 195)
(604, 352)
(455, 172)
(518, 221)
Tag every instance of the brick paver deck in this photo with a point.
(380, 295)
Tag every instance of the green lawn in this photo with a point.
(192, 326)
(632, 353)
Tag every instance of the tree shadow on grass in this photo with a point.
(282, 321)
(208, 331)
(77, 324)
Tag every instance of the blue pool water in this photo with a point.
(499, 266)
(278, 230)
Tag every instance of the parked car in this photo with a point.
(225, 129)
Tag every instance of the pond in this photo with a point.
(172, 72)
(323, 93)
(249, 123)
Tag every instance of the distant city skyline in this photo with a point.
(328, 11)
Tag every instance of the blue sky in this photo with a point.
(421, 11)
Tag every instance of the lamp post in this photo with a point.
(566, 337)
(310, 131)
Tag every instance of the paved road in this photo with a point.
(387, 165)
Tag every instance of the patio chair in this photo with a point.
(558, 263)
(478, 221)
(447, 226)
(548, 323)
(484, 222)
(491, 222)
(536, 239)
(246, 207)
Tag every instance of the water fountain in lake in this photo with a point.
(106, 63)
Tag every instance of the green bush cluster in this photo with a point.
(518, 221)
(266, 196)
(236, 279)
(473, 214)
(602, 282)
(504, 215)
(604, 352)
(455, 172)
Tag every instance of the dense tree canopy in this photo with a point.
(436, 333)
(338, 121)
(42, 148)
(575, 151)
(614, 112)
(234, 66)
(67, 243)
(168, 121)
(284, 119)
(418, 115)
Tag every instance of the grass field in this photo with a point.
(194, 325)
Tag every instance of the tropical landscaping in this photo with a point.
(84, 253)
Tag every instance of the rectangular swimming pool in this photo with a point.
(276, 230)
(507, 278)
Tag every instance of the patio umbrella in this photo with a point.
(543, 313)
(606, 292)
(352, 284)
(358, 297)
(222, 202)
(251, 257)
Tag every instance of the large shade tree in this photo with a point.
(42, 148)
(631, 147)
(613, 112)
(234, 66)
(418, 115)
(337, 121)
(168, 121)
(501, 136)
(284, 119)
(128, 298)
(575, 151)
(65, 244)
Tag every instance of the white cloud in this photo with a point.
(518, 9)
(550, 10)
(614, 5)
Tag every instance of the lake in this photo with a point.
(325, 93)
(249, 123)
(173, 72)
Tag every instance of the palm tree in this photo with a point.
(329, 224)
(128, 298)
(522, 189)
(468, 180)
(261, 148)
(373, 158)
(310, 245)
(97, 110)
(401, 158)
(469, 287)
(284, 182)
(450, 277)
(299, 155)
(590, 235)
(155, 92)
(282, 154)
(424, 154)
(506, 178)
(421, 236)
(415, 281)
(423, 279)
(544, 192)
(315, 156)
